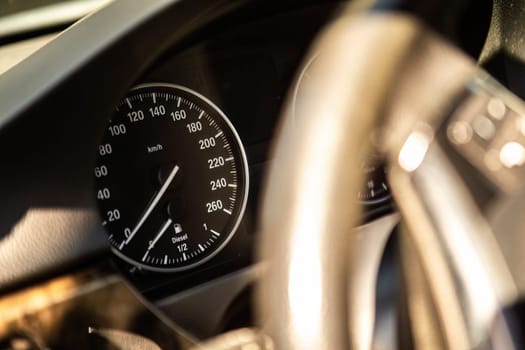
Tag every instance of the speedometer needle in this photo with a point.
(163, 229)
(153, 203)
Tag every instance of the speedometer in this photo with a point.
(171, 178)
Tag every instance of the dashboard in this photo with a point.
(174, 178)
(234, 82)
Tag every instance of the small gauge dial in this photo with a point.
(375, 189)
(171, 178)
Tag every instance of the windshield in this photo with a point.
(30, 17)
(9, 7)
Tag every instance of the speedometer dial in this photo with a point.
(171, 178)
(375, 189)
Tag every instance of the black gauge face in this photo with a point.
(171, 178)
(375, 189)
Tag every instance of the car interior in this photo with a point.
(247, 174)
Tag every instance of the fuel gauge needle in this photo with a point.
(153, 204)
(163, 229)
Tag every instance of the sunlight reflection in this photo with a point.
(512, 154)
(305, 283)
(413, 151)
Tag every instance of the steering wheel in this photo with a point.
(423, 100)
(306, 208)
